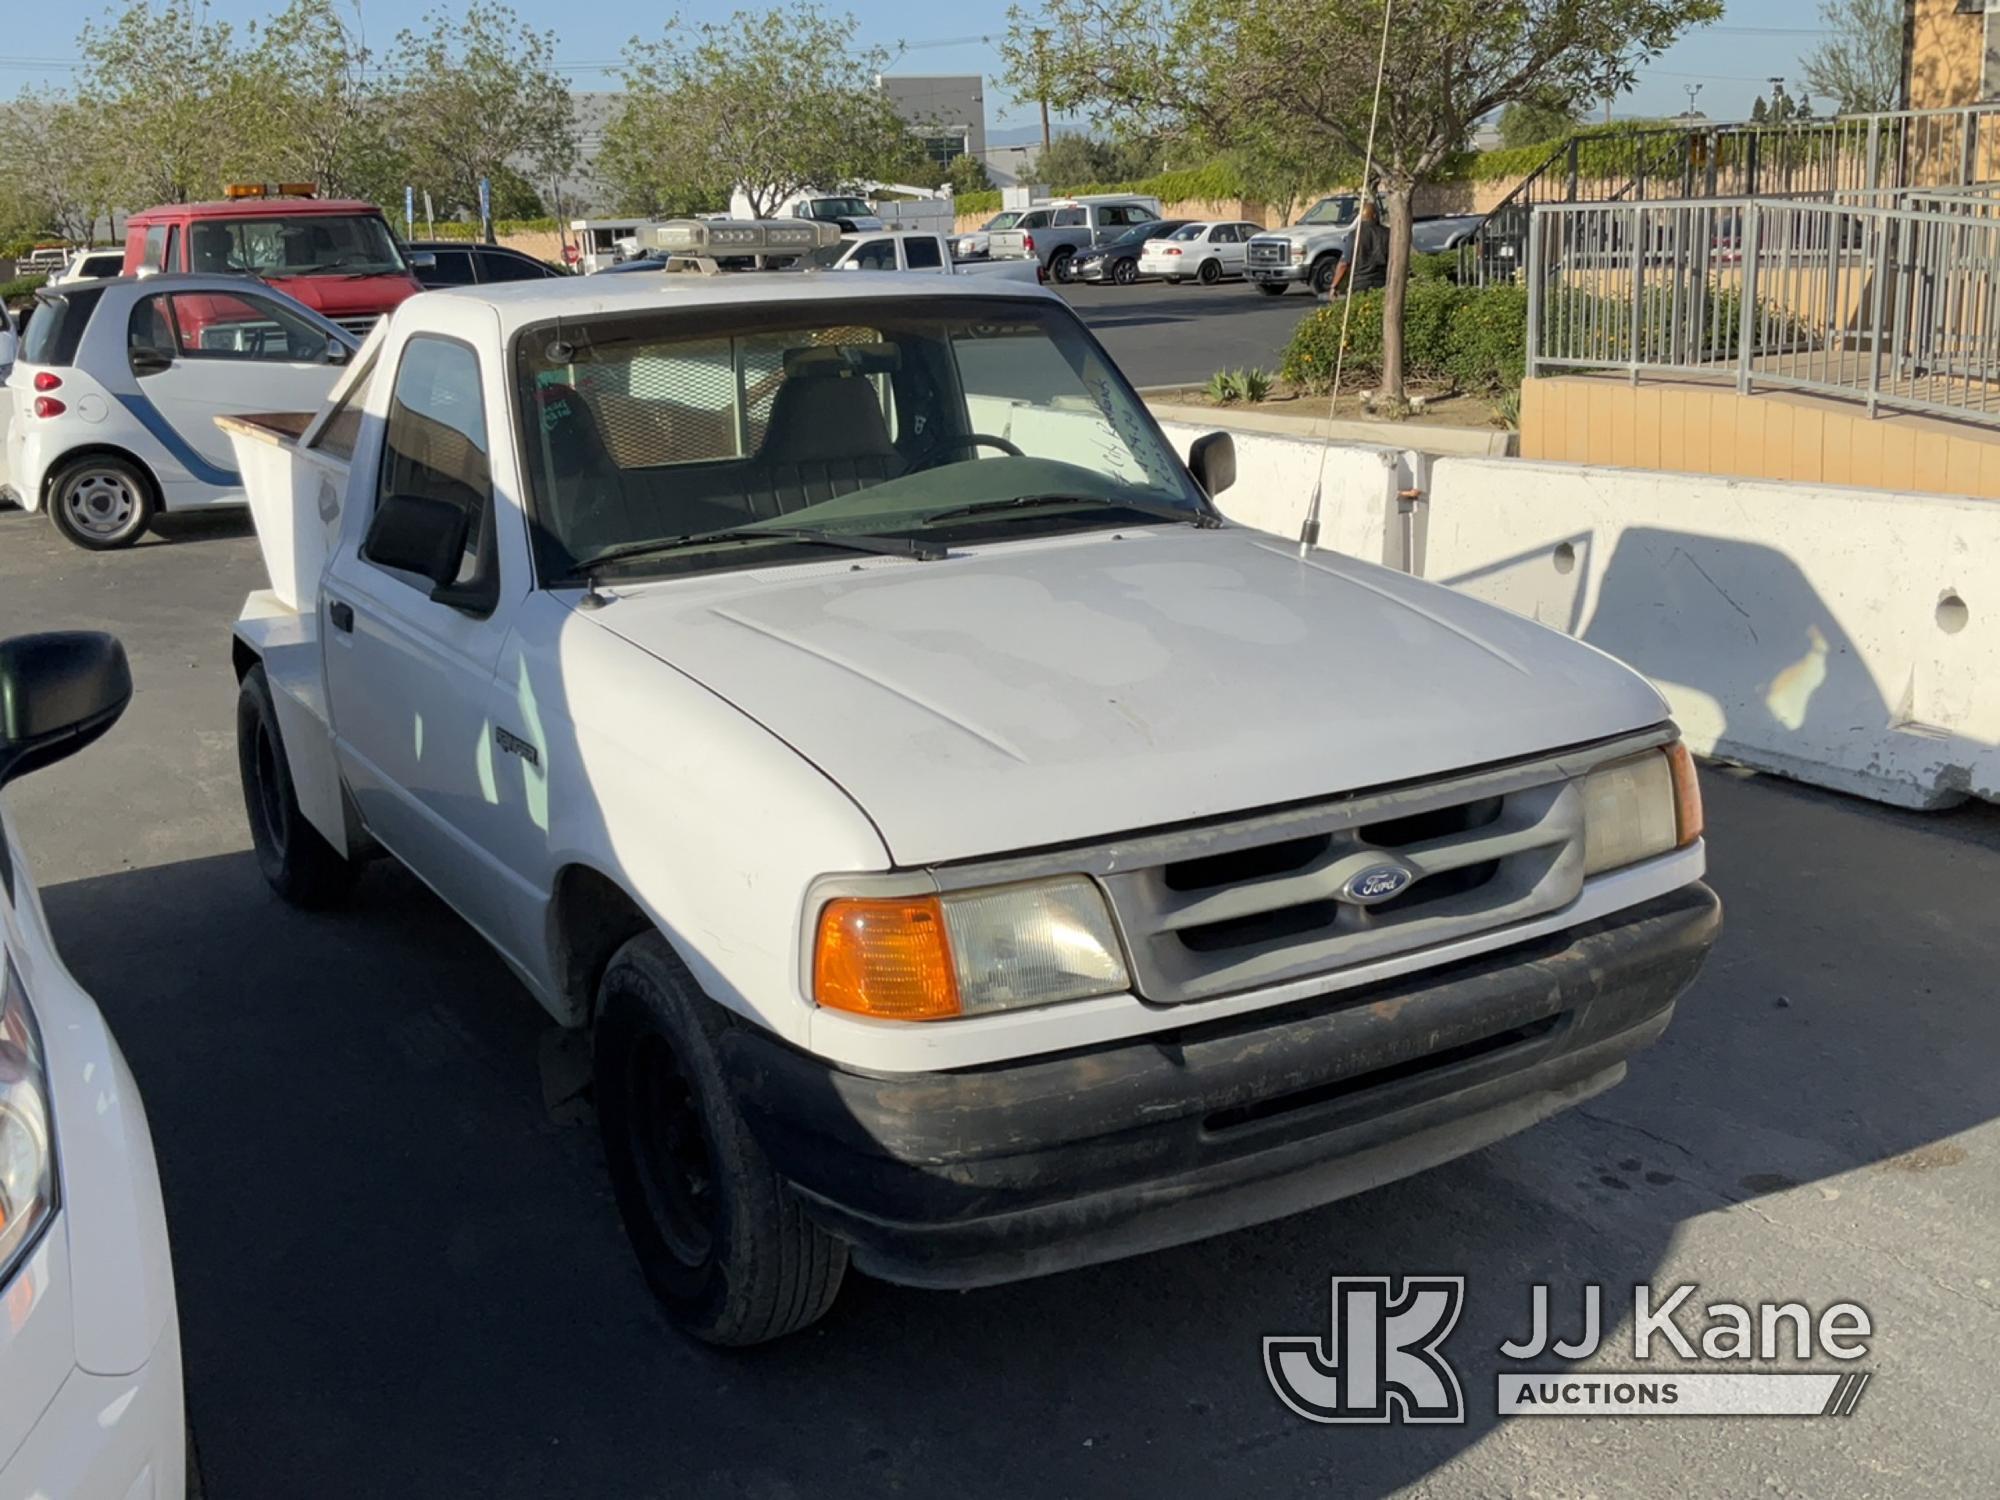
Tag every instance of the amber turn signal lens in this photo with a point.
(885, 957)
(1687, 794)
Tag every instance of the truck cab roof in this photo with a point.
(253, 208)
(518, 304)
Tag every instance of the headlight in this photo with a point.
(926, 958)
(27, 1160)
(1636, 808)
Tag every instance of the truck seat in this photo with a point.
(826, 438)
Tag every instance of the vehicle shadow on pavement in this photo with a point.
(219, 524)
(399, 1276)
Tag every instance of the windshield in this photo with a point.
(841, 208)
(308, 245)
(1140, 235)
(1335, 211)
(865, 416)
(1004, 221)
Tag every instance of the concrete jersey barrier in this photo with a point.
(1840, 637)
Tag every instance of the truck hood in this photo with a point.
(1035, 693)
(1299, 234)
(347, 296)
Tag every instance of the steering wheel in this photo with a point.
(963, 441)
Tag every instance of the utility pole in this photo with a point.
(1042, 81)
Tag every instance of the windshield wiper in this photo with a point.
(1179, 514)
(335, 268)
(850, 541)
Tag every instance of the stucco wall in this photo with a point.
(1946, 52)
(1701, 428)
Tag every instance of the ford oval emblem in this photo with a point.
(1375, 884)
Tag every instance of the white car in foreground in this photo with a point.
(1204, 252)
(118, 385)
(970, 854)
(90, 1360)
(10, 347)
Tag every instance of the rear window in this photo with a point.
(57, 326)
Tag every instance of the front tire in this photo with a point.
(722, 1242)
(1062, 265)
(101, 502)
(296, 859)
(1322, 275)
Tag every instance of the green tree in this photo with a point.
(160, 81)
(58, 175)
(1530, 122)
(476, 94)
(314, 112)
(1070, 161)
(1859, 67)
(1303, 78)
(768, 103)
(968, 174)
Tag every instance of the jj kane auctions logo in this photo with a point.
(1383, 1358)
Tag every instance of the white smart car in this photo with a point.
(1206, 252)
(118, 385)
(90, 1359)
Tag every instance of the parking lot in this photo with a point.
(401, 1274)
(1181, 335)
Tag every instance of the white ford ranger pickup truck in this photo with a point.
(970, 855)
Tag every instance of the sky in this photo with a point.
(1732, 60)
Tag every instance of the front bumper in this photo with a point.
(108, 1437)
(993, 1174)
(1279, 275)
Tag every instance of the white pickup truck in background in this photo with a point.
(967, 854)
(912, 250)
(1309, 251)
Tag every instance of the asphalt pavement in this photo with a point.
(1181, 335)
(401, 1274)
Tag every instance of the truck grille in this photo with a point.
(360, 327)
(1263, 900)
(1270, 252)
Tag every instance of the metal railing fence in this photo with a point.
(1896, 306)
(1837, 158)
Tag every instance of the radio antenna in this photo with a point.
(1309, 532)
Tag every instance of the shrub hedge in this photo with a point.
(455, 229)
(21, 286)
(1474, 338)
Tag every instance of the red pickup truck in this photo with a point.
(337, 256)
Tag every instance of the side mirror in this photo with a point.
(150, 362)
(423, 260)
(336, 352)
(1212, 461)
(417, 534)
(58, 692)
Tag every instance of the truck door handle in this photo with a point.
(341, 614)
